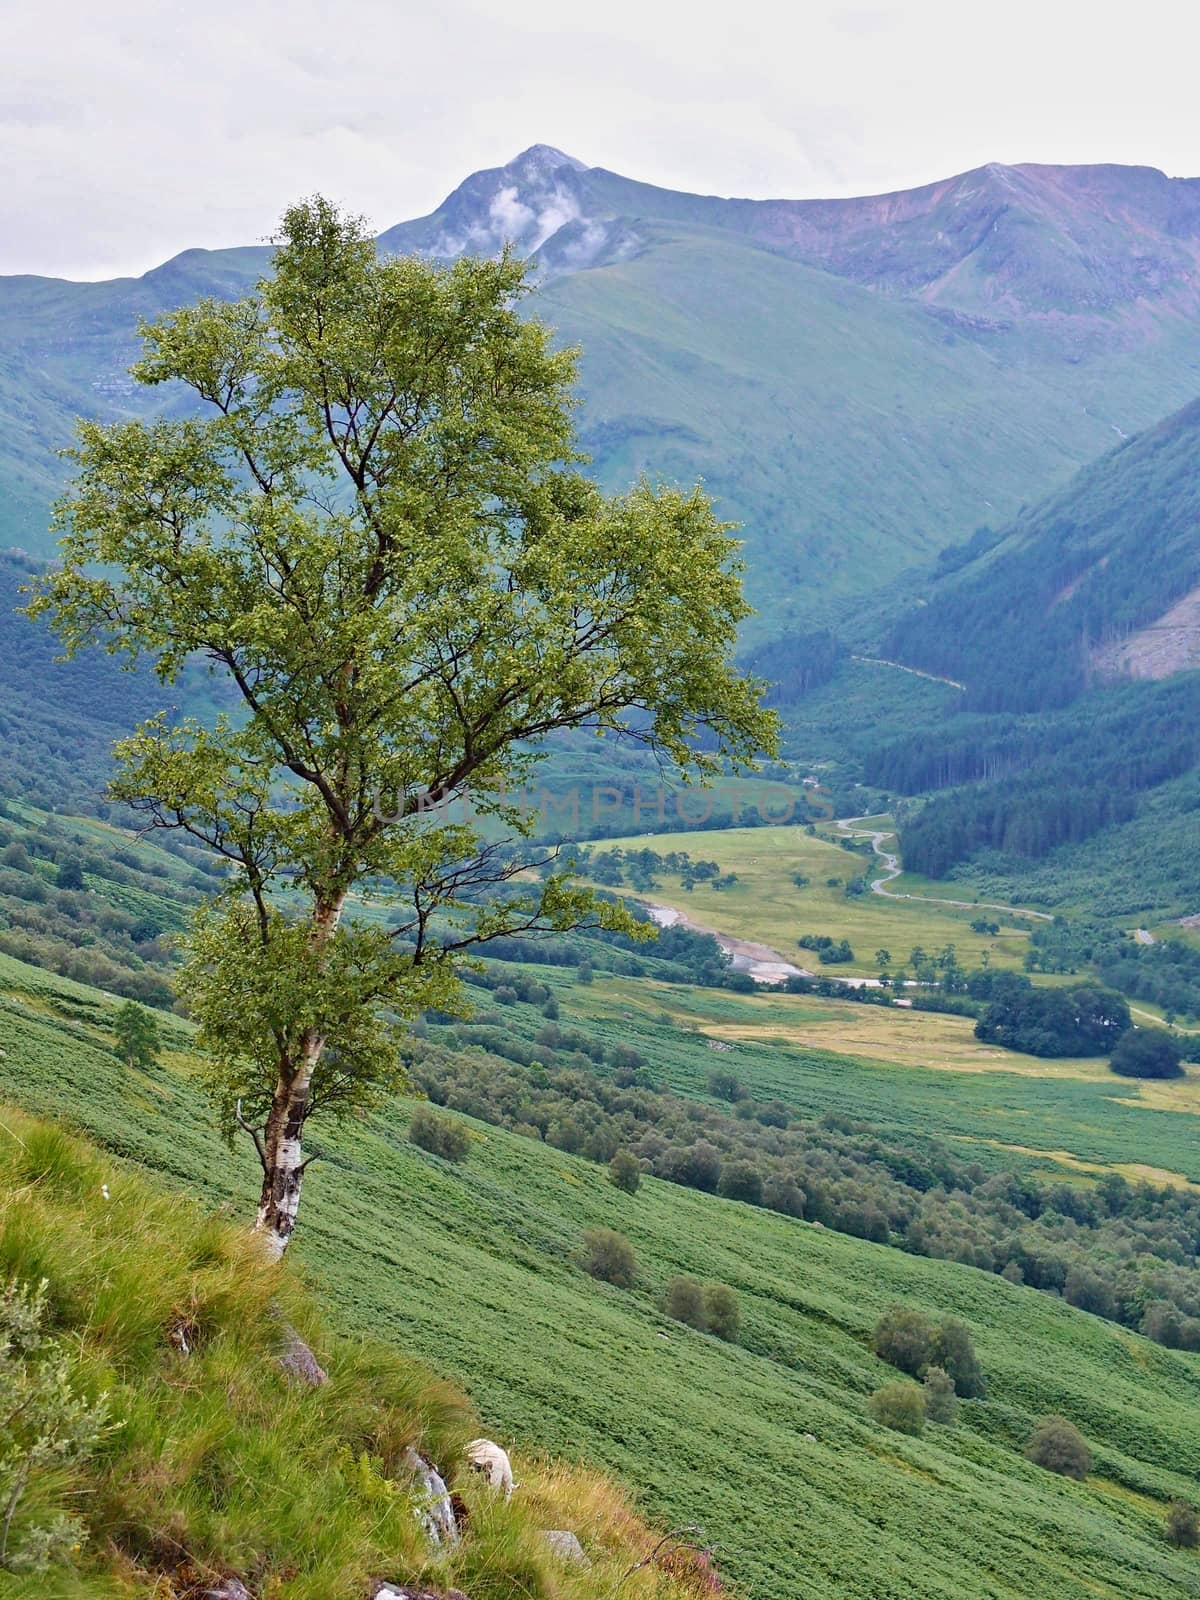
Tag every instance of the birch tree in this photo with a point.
(371, 523)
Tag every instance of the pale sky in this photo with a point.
(132, 129)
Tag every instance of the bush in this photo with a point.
(724, 1085)
(1058, 1445)
(609, 1256)
(136, 1035)
(954, 1352)
(941, 1402)
(900, 1406)
(904, 1339)
(1183, 1528)
(685, 1302)
(722, 1313)
(784, 1196)
(1147, 1053)
(69, 874)
(740, 1181)
(440, 1136)
(625, 1171)
(46, 1428)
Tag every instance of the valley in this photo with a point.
(610, 1045)
(777, 1420)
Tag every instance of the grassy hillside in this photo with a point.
(475, 1268)
(205, 1460)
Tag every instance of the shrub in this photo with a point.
(609, 1256)
(740, 1181)
(784, 1196)
(954, 1352)
(698, 1165)
(440, 1136)
(1147, 1053)
(46, 1427)
(904, 1339)
(685, 1302)
(1183, 1527)
(1058, 1445)
(723, 1085)
(941, 1402)
(136, 1034)
(722, 1313)
(69, 874)
(900, 1406)
(625, 1171)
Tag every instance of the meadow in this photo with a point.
(767, 1444)
(767, 906)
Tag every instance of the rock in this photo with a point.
(392, 1591)
(229, 1589)
(809, 1438)
(298, 1361)
(566, 1546)
(433, 1508)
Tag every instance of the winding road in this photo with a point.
(892, 869)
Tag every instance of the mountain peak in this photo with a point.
(545, 158)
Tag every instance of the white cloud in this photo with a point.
(131, 130)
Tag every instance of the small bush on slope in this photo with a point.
(214, 1462)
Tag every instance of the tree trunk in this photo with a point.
(281, 1152)
(283, 1158)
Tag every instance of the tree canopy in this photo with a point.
(373, 526)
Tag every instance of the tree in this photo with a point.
(685, 1302)
(625, 1171)
(698, 1165)
(900, 1406)
(941, 1402)
(440, 1136)
(725, 1085)
(740, 1181)
(1183, 1526)
(954, 1351)
(905, 1339)
(609, 1256)
(136, 1034)
(70, 873)
(375, 532)
(1147, 1053)
(1058, 1445)
(722, 1314)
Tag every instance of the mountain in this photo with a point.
(1098, 583)
(859, 382)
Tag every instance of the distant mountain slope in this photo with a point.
(1098, 582)
(859, 381)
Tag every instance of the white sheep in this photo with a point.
(488, 1458)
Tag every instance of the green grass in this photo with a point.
(766, 906)
(474, 1269)
(213, 1461)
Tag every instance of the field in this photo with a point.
(768, 1444)
(765, 904)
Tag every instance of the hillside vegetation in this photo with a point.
(207, 1460)
(1039, 614)
(474, 1266)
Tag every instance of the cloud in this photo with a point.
(133, 130)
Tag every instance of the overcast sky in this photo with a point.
(132, 129)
